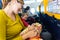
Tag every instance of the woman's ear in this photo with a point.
(9, 3)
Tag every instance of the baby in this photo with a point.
(38, 28)
(35, 26)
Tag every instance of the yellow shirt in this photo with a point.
(9, 29)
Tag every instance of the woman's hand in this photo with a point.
(29, 28)
(29, 34)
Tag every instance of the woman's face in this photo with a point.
(17, 7)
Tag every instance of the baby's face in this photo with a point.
(37, 27)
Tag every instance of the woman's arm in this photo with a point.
(2, 28)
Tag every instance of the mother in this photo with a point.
(10, 23)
